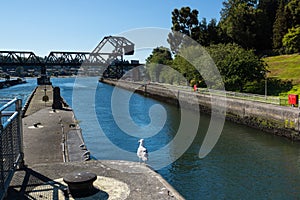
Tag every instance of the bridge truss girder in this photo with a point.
(19, 58)
(121, 46)
(78, 58)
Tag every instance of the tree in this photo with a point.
(154, 63)
(186, 22)
(213, 32)
(238, 21)
(280, 26)
(265, 17)
(203, 35)
(209, 32)
(292, 10)
(160, 55)
(186, 69)
(196, 66)
(237, 66)
(291, 40)
(268, 7)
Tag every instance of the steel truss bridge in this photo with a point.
(108, 51)
(119, 46)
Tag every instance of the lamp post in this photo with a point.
(264, 73)
(266, 88)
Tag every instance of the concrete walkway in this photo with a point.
(46, 131)
(52, 150)
(118, 179)
(37, 102)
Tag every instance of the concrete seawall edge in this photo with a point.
(274, 119)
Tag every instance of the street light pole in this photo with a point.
(266, 88)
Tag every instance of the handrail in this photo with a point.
(8, 104)
(9, 120)
(11, 141)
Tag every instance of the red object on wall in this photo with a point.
(195, 87)
(293, 99)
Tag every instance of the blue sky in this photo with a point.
(79, 25)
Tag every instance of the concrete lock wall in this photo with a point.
(278, 120)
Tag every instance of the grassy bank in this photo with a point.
(285, 67)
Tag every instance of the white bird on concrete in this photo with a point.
(142, 152)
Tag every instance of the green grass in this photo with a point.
(285, 67)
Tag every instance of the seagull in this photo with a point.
(142, 152)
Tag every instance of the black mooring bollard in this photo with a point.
(81, 184)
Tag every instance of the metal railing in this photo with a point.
(276, 100)
(235, 95)
(244, 96)
(11, 141)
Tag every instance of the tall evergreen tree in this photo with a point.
(280, 26)
(292, 11)
(265, 17)
(213, 32)
(203, 35)
(209, 32)
(186, 22)
(269, 7)
(238, 21)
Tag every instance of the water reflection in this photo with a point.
(245, 164)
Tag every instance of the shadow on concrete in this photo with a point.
(29, 184)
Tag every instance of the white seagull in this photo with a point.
(142, 152)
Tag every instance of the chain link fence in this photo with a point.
(11, 151)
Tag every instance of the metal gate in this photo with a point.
(11, 149)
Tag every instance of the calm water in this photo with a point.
(245, 163)
(20, 91)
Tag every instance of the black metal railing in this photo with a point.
(11, 142)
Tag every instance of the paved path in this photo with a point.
(37, 102)
(46, 131)
(44, 143)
